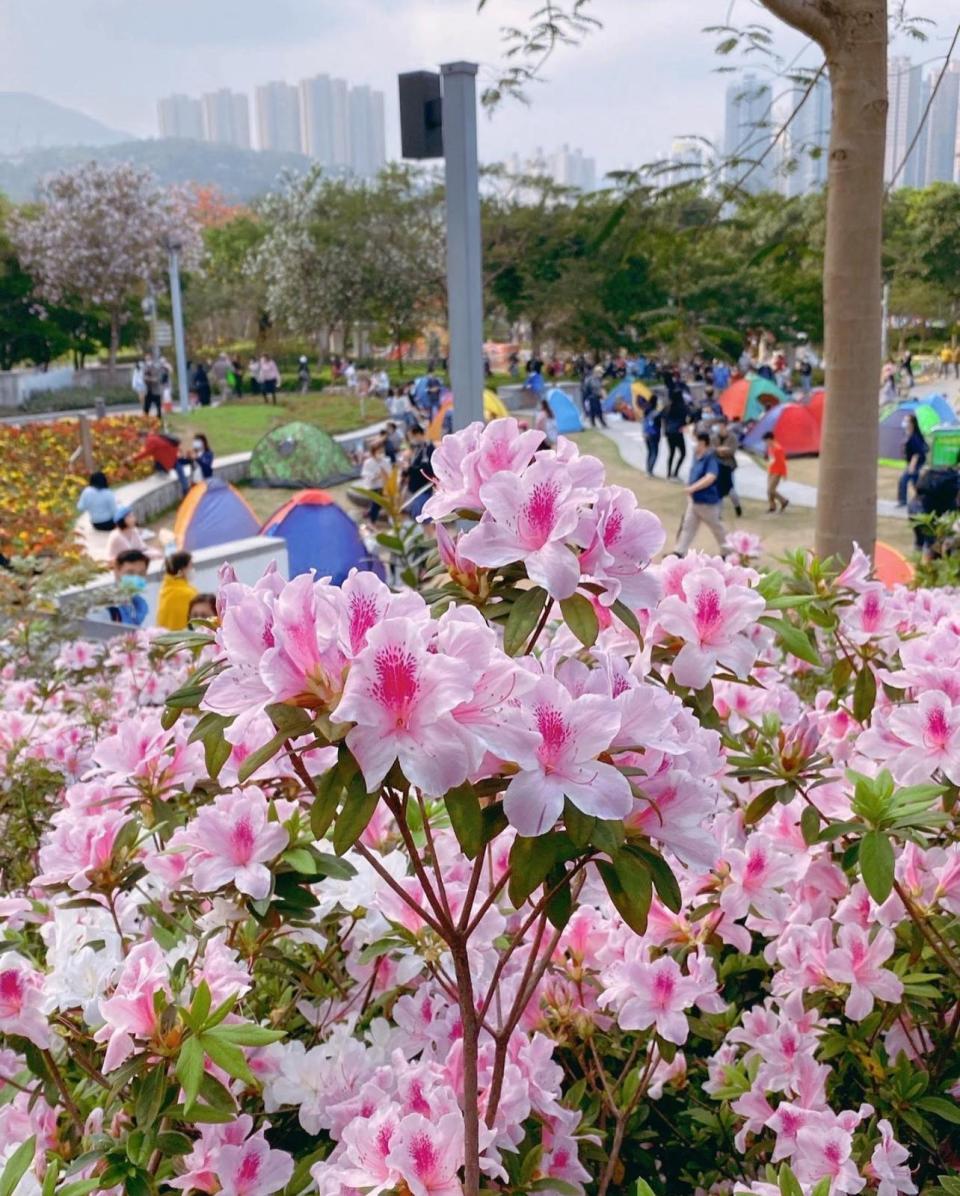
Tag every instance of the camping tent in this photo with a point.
(493, 408)
(320, 535)
(299, 455)
(564, 412)
(931, 413)
(627, 391)
(213, 513)
(748, 398)
(891, 567)
(796, 427)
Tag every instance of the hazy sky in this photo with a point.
(648, 76)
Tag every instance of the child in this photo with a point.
(130, 572)
(776, 472)
(176, 593)
(204, 606)
(546, 423)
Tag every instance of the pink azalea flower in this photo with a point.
(712, 618)
(570, 734)
(400, 696)
(652, 994)
(529, 518)
(233, 842)
(621, 539)
(465, 460)
(745, 545)
(21, 1001)
(252, 1168)
(428, 1155)
(823, 1150)
(202, 1161)
(130, 1013)
(931, 730)
(856, 961)
(80, 843)
(366, 601)
(304, 664)
(888, 1164)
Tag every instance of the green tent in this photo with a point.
(300, 456)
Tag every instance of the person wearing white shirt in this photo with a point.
(373, 475)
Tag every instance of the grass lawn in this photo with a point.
(238, 425)
(793, 529)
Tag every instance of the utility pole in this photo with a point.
(438, 118)
(183, 383)
(885, 322)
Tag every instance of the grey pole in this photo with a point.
(183, 383)
(885, 323)
(464, 279)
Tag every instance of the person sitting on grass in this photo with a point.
(176, 593)
(776, 472)
(130, 574)
(203, 606)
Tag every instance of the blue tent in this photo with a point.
(320, 535)
(213, 513)
(941, 405)
(564, 412)
(621, 393)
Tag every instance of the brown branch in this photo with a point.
(804, 15)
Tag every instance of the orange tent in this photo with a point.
(891, 567)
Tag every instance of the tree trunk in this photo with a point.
(114, 341)
(853, 36)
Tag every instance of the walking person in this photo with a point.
(915, 450)
(704, 501)
(652, 430)
(269, 379)
(546, 423)
(593, 395)
(200, 384)
(675, 419)
(906, 364)
(725, 445)
(374, 474)
(221, 370)
(303, 375)
(776, 473)
(152, 386)
(806, 376)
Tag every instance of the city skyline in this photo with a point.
(342, 127)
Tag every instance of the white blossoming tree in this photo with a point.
(99, 235)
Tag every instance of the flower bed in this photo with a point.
(39, 485)
(568, 873)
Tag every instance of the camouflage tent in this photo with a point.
(300, 456)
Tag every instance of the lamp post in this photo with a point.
(183, 383)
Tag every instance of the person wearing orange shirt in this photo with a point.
(776, 472)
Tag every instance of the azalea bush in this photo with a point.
(41, 477)
(566, 872)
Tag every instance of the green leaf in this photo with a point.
(876, 865)
(941, 1107)
(950, 1184)
(228, 1056)
(358, 808)
(810, 825)
(560, 906)
(579, 826)
(627, 617)
(173, 1143)
(523, 618)
(494, 821)
(794, 640)
(261, 756)
(190, 1069)
(200, 1005)
(466, 818)
(644, 1189)
(630, 889)
(17, 1165)
(581, 618)
(244, 1034)
(198, 1114)
(864, 694)
(554, 1185)
(764, 802)
(292, 721)
(822, 1187)
(80, 1187)
(668, 889)
(788, 1183)
(530, 861)
(151, 1091)
(324, 808)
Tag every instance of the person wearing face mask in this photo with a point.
(130, 574)
(202, 456)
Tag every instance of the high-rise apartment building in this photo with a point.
(325, 121)
(226, 118)
(804, 147)
(180, 116)
(748, 135)
(368, 153)
(278, 117)
(906, 93)
(566, 167)
(941, 159)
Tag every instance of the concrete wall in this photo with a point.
(249, 559)
(16, 386)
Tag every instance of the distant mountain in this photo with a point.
(29, 122)
(240, 174)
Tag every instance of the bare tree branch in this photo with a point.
(804, 15)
